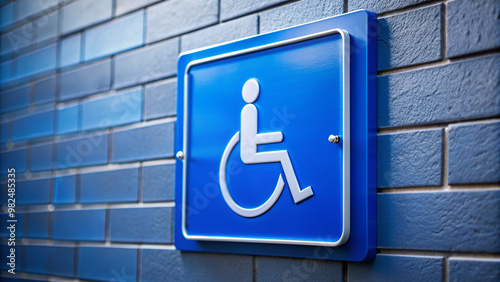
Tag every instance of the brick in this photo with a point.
(299, 13)
(33, 192)
(469, 32)
(89, 150)
(15, 98)
(41, 157)
(65, 190)
(45, 28)
(4, 132)
(114, 110)
(146, 64)
(381, 6)
(70, 50)
(160, 100)
(473, 269)
(234, 8)
(6, 15)
(67, 120)
(17, 39)
(37, 225)
(36, 62)
(125, 6)
(5, 249)
(45, 90)
(5, 72)
(228, 31)
(50, 260)
(291, 269)
(117, 36)
(465, 221)
(409, 38)
(216, 267)
(141, 225)
(79, 225)
(13, 159)
(82, 13)
(467, 89)
(107, 264)
(409, 159)
(474, 153)
(110, 186)
(149, 142)
(158, 183)
(29, 8)
(33, 126)
(160, 265)
(398, 268)
(85, 80)
(180, 16)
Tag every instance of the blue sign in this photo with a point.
(276, 143)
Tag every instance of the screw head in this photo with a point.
(180, 155)
(334, 138)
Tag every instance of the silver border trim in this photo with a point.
(345, 140)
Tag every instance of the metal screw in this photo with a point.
(180, 155)
(334, 138)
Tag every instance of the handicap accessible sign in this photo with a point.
(273, 145)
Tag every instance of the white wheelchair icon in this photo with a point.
(249, 139)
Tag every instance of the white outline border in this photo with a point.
(345, 140)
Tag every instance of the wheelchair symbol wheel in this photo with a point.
(245, 212)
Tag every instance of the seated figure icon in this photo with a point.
(250, 139)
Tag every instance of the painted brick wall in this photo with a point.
(87, 113)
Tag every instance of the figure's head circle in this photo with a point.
(251, 90)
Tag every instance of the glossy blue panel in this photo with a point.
(65, 190)
(301, 96)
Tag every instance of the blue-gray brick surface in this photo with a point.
(69, 53)
(465, 221)
(79, 225)
(113, 37)
(37, 225)
(85, 80)
(158, 183)
(28, 8)
(141, 225)
(67, 120)
(45, 27)
(65, 190)
(125, 6)
(398, 268)
(16, 40)
(15, 98)
(239, 28)
(409, 159)
(114, 110)
(50, 260)
(299, 13)
(15, 159)
(160, 100)
(37, 62)
(41, 157)
(96, 11)
(92, 149)
(150, 142)
(160, 265)
(45, 90)
(291, 269)
(33, 192)
(33, 126)
(472, 26)
(381, 6)
(467, 89)
(175, 17)
(234, 8)
(6, 15)
(409, 38)
(146, 64)
(107, 264)
(474, 153)
(470, 269)
(110, 186)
